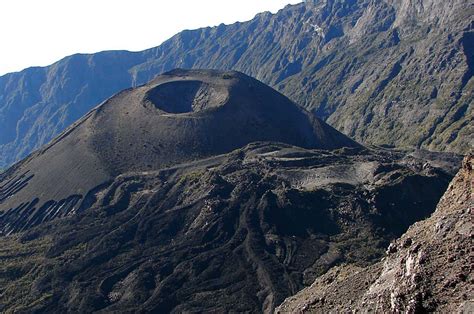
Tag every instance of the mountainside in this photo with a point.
(200, 191)
(429, 269)
(372, 69)
(39, 103)
(180, 116)
(236, 232)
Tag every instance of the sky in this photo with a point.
(40, 32)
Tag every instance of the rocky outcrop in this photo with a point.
(372, 69)
(428, 269)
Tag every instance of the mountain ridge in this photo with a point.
(302, 51)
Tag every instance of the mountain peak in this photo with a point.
(179, 117)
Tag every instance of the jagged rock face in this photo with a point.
(235, 232)
(429, 269)
(372, 69)
(180, 116)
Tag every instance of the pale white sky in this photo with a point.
(40, 32)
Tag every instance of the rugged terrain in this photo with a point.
(372, 69)
(200, 191)
(179, 116)
(238, 232)
(428, 269)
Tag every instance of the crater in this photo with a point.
(186, 96)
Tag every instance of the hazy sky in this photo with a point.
(40, 32)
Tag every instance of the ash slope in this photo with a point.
(235, 232)
(429, 269)
(180, 116)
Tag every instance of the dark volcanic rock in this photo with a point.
(189, 194)
(395, 72)
(235, 232)
(152, 127)
(428, 270)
